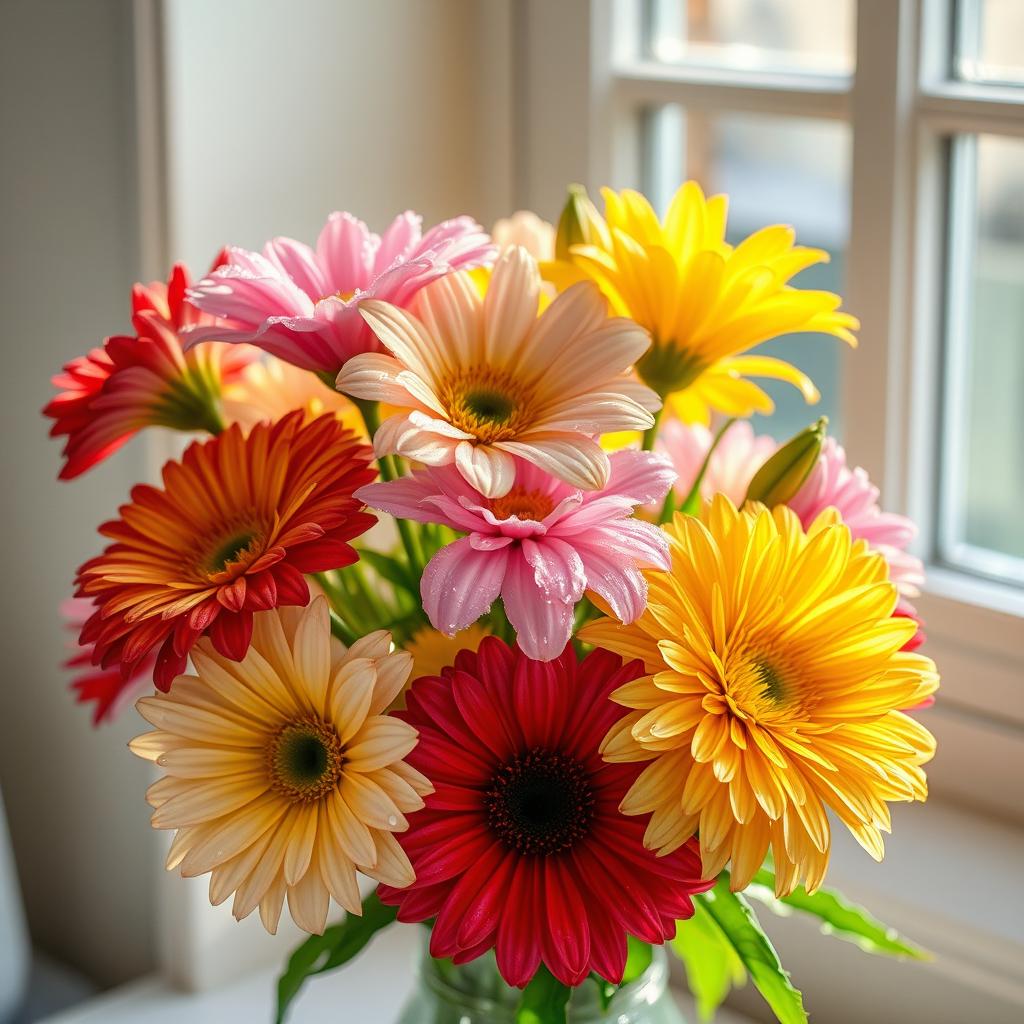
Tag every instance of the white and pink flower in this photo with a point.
(539, 547)
(301, 303)
(484, 380)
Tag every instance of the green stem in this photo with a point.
(651, 434)
(410, 541)
(691, 503)
(341, 631)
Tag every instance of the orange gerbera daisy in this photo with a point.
(239, 520)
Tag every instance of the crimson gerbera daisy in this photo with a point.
(238, 522)
(522, 847)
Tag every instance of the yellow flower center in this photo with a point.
(522, 503)
(233, 546)
(491, 404)
(305, 761)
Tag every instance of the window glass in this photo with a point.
(982, 525)
(777, 35)
(990, 41)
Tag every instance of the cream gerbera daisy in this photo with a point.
(283, 775)
(482, 379)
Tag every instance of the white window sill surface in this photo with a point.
(371, 990)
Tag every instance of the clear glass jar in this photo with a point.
(474, 993)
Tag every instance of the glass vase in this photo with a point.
(474, 993)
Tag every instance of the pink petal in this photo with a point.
(298, 261)
(345, 250)
(643, 477)
(401, 238)
(543, 625)
(460, 584)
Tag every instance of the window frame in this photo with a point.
(903, 98)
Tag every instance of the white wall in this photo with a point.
(67, 252)
(283, 110)
(279, 112)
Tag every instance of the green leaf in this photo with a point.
(544, 1000)
(638, 959)
(735, 918)
(392, 569)
(713, 967)
(839, 917)
(338, 944)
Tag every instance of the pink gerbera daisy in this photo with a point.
(522, 847)
(484, 379)
(301, 304)
(540, 546)
(832, 483)
(132, 382)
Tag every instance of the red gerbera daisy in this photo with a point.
(522, 846)
(141, 380)
(239, 520)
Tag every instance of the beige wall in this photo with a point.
(280, 111)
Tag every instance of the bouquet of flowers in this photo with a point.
(596, 672)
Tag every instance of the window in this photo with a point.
(891, 133)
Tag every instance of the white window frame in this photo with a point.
(894, 283)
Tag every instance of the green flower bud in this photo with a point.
(778, 480)
(579, 224)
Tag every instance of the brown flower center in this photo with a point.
(522, 503)
(305, 761)
(540, 803)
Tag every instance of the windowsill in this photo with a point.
(371, 990)
(950, 881)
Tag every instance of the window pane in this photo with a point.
(989, 41)
(801, 35)
(982, 524)
(776, 170)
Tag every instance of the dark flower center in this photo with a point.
(540, 803)
(305, 760)
(231, 550)
(489, 405)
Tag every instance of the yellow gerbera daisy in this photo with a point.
(283, 775)
(704, 301)
(776, 689)
(432, 651)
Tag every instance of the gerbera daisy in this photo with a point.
(144, 380)
(433, 652)
(738, 456)
(269, 388)
(832, 483)
(282, 774)
(540, 546)
(521, 848)
(704, 301)
(776, 689)
(107, 689)
(525, 228)
(301, 304)
(238, 522)
(486, 379)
